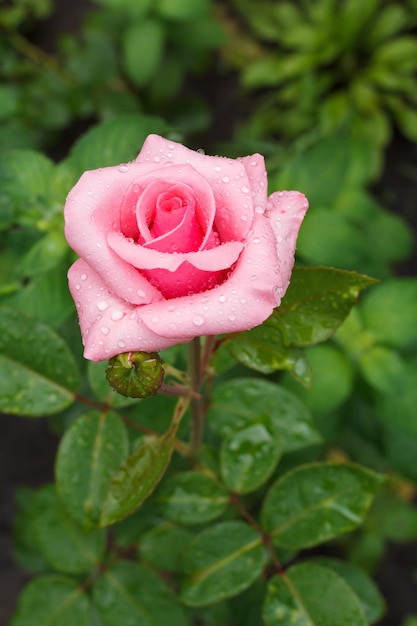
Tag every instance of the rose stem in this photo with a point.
(196, 406)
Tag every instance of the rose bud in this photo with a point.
(136, 374)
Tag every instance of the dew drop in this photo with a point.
(225, 179)
(102, 305)
(244, 189)
(232, 318)
(121, 343)
(123, 169)
(141, 293)
(244, 218)
(254, 277)
(259, 209)
(156, 159)
(104, 330)
(171, 308)
(78, 286)
(256, 240)
(116, 315)
(217, 168)
(198, 320)
(254, 163)
(83, 277)
(222, 298)
(243, 300)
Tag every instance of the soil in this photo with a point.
(28, 448)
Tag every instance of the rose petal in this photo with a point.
(243, 301)
(227, 178)
(142, 257)
(256, 173)
(108, 324)
(91, 211)
(285, 212)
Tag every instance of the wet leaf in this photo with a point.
(221, 562)
(361, 584)
(311, 595)
(54, 600)
(317, 502)
(90, 453)
(316, 303)
(128, 593)
(249, 456)
(38, 374)
(64, 545)
(138, 476)
(192, 498)
(242, 402)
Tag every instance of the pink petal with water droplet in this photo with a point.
(219, 258)
(117, 328)
(285, 212)
(225, 176)
(253, 279)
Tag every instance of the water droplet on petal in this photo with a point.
(123, 169)
(102, 305)
(141, 293)
(217, 168)
(116, 315)
(78, 286)
(225, 179)
(121, 344)
(198, 320)
(256, 240)
(232, 318)
(104, 330)
(222, 298)
(244, 189)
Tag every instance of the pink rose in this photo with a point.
(177, 244)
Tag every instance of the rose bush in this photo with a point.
(177, 244)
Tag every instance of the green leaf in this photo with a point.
(243, 402)
(249, 455)
(163, 546)
(330, 238)
(46, 297)
(27, 173)
(361, 584)
(262, 349)
(192, 498)
(332, 375)
(90, 453)
(389, 311)
(38, 374)
(114, 141)
(45, 254)
(221, 562)
(311, 595)
(143, 47)
(25, 549)
(317, 502)
(316, 303)
(128, 593)
(52, 600)
(349, 163)
(138, 476)
(63, 545)
(182, 10)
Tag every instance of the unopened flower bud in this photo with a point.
(136, 374)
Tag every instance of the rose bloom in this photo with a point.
(177, 244)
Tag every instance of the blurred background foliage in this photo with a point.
(327, 90)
